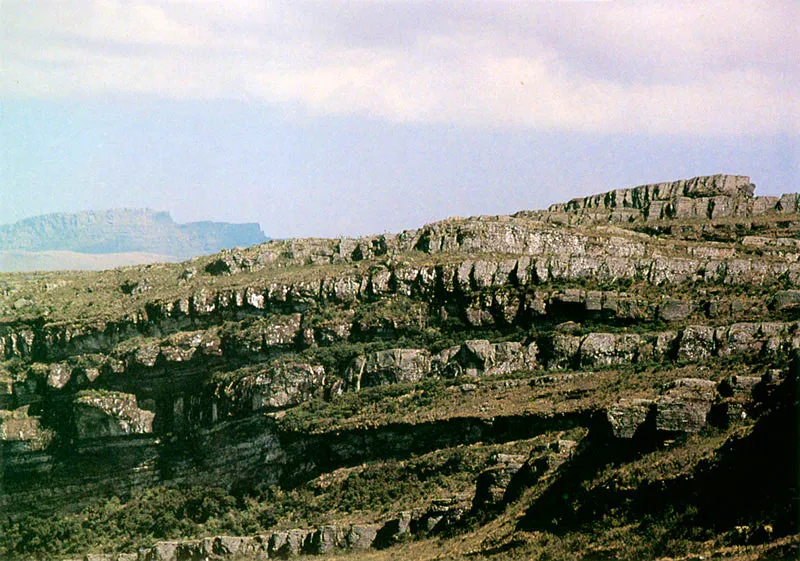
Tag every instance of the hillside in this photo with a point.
(611, 378)
(105, 239)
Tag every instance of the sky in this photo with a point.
(333, 118)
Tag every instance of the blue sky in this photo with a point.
(347, 118)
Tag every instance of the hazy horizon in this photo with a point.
(354, 118)
(759, 192)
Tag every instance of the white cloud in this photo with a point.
(702, 68)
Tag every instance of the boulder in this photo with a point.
(676, 415)
(608, 349)
(627, 416)
(443, 513)
(324, 540)
(738, 385)
(388, 367)
(564, 349)
(361, 536)
(685, 405)
(287, 543)
(692, 388)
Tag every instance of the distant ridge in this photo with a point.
(118, 232)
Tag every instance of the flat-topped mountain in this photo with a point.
(612, 378)
(127, 236)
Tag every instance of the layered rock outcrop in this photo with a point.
(307, 367)
(710, 197)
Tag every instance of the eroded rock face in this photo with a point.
(107, 413)
(696, 343)
(288, 543)
(284, 544)
(786, 300)
(223, 346)
(278, 385)
(19, 426)
(738, 385)
(6, 390)
(479, 357)
(361, 536)
(219, 547)
(685, 405)
(389, 367)
(325, 540)
(700, 197)
(183, 346)
(162, 551)
(443, 513)
(627, 416)
(606, 349)
(675, 415)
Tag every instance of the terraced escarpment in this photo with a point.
(614, 378)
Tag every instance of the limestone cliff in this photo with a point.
(594, 378)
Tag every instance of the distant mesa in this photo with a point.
(111, 238)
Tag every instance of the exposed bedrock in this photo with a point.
(603, 329)
(243, 452)
(687, 405)
(487, 292)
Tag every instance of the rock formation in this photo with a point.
(486, 386)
